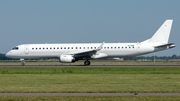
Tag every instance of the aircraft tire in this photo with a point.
(22, 63)
(87, 63)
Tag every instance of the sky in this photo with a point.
(86, 21)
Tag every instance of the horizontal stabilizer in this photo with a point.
(170, 45)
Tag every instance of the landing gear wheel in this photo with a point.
(22, 63)
(87, 63)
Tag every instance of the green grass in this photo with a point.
(93, 62)
(89, 80)
(89, 98)
(90, 70)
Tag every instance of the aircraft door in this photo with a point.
(139, 47)
(26, 49)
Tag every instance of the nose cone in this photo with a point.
(7, 54)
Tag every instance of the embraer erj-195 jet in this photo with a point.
(68, 53)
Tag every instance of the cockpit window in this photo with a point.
(15, 48)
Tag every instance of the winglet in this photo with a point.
(100, 47)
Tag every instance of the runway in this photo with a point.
(93, 66)
(89, 94)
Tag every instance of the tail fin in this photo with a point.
(162, 34)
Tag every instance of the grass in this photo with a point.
(89, 80)
(90, 98)
(90, 70)
(93, 62)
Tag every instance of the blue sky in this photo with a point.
(84, 21)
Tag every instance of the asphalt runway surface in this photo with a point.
(98, 66)
(89, 94)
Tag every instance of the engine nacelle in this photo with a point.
(66, 58)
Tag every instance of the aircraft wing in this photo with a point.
(88, 54)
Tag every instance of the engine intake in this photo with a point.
(66, 59)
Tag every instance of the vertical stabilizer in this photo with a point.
(162, 34)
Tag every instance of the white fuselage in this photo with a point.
(55, 50)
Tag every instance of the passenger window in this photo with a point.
(118, 47)
(54, 48)
(115, 47)
(104, 47)
(61, 48)
(71, 47)
(79, 47)
(36, 48)
(84, 48)
(91, 47)
(68, 47)
(76, 47)
(32, 48)
(46, 48)
(107, 47)
(122, 47)
(50, 48)
(43, 48)
(57, 47)
(64, 47)
(94, 47)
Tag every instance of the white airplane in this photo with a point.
(69, 53)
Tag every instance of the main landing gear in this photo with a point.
(87, 63)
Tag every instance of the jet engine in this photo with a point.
(66, 58)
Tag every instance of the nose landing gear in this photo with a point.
(87, 63)
(22, 62)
